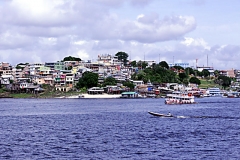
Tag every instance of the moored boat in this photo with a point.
(214, 92)
(178, 97)
(131, 95)
(97, 96)
(95, 90)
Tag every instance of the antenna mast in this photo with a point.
(196, 63)
(207, 60)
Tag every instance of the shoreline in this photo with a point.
(86, 96)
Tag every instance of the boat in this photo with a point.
(94, 96)
(178, 97)
(214, 92)
(80, 96)
(150, 95)
(160, 115)
(131, 95)
(231, 95)
(95, 90)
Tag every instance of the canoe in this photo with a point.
(159, 114)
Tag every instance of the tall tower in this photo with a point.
(196, 62)
(207, 60)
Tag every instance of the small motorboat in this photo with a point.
(160, 115)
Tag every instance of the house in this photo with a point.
(149, 62)
(136, 83)
(30, 88)
(210, 70)
(5, 69)
(55, 65)
(70, 80)
(108, 60)
(6, 79)
(45, 75)
(183, 65)
(17, 73)
(34, 68)
(223, 73)
(230, 73)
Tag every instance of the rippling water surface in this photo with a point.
(119, 129)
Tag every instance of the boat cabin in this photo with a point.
(130, 95)
(95, 90)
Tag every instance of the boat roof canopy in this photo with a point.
(129, 93)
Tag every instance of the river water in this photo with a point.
(119, 129)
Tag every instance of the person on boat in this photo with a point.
(169, 114)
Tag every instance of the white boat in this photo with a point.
(231, 95)
(131, 95)
(104, 95)
(160, 115)
(95, 90)
(214, 92)
(178, 97)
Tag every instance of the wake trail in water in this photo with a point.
(219, 117)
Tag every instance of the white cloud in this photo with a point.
(152, 29)
(80, 42)
(83, 54)
(195, 42)
(140, 16)
(50, 30)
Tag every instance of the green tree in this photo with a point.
(144, 65)
(185, 81)
(224, 81)
(19, 66)
(178, 68)
(164, 64)
(109, 81)
(68, 68)
(195, 80)
(182, 76)
(129, 85)
(122, 56)
(200, 74)
(156, 74)
(216, 73)
(70, 58)
(88, 80)
(189, 71)
(134, 76)
(205, 73)
(133, 64)
(140, 75)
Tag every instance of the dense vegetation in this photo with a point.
(122, 56)
(162, 73)
(70, 58)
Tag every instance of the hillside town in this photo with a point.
(64, 75)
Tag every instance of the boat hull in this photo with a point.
(176, 102)
(160, 115)
(179, 98)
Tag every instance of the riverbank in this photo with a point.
(85, 95)
(5, 95)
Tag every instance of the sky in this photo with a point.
(203, 33)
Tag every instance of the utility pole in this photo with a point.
(130, 56)
(207, 60)
(0, 81)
